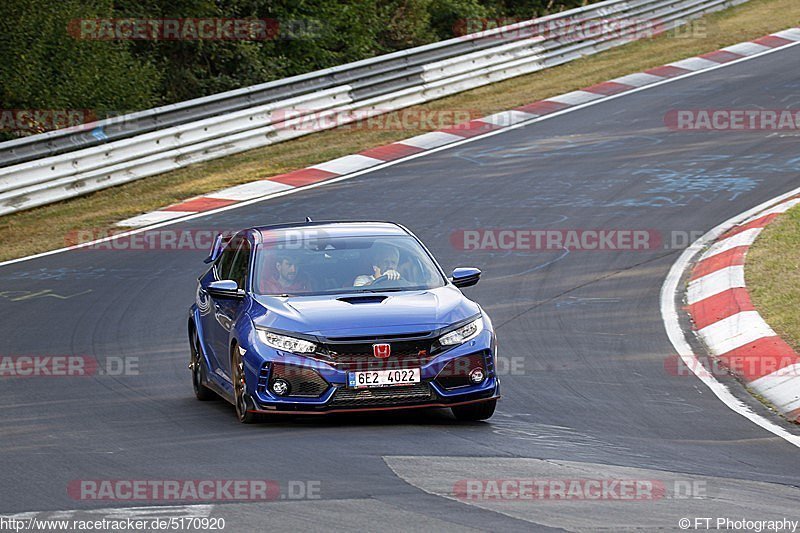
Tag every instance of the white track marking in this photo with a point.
(431, 140)
(576, 97)
(778, 209)
(676, 334)
(248, 191)
(744, 238)
(735, 331)
(694, 63)
(640, 79)
(731, 277)
(780, 387)
(148, 219)
(348, 164)
(792, 34)
(747, 49)
(507, 118)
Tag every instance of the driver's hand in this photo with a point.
(389, 274)
(392, 275)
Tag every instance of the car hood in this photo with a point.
(364, 314)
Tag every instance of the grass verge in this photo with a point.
(772, 272)
(45, 228)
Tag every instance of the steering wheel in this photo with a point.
(381, 280)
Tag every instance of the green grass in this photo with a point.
(44, 228)
(772, 272)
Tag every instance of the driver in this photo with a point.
(385, 259)
(284, 279)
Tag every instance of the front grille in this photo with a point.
(456, 372)
(355, 356)
(305, 382)
(374, 338)
(384, 396)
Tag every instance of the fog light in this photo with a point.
(280, 387)
(476, 375)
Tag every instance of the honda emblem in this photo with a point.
(381, 351)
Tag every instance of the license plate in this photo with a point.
(382, 378)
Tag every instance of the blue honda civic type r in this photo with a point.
(325, 317)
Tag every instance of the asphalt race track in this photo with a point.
(590, 394)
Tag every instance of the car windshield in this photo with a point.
(335, 265)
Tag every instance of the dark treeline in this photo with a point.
(50, 60)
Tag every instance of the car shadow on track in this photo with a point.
(415, 417)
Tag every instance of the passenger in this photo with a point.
(410, 270)
(284, 279)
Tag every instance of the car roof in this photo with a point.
(349, 228)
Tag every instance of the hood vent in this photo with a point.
(371, 299)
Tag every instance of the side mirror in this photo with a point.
(465, 276)
(226, 289)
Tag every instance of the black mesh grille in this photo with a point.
(302, 381)
(355, 356)
(384, 396)
(456, 372)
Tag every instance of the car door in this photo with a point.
(228, 310)
(208, 306)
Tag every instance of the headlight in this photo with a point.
(462, 334)
(287, 344)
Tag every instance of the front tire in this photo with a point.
(242, 400)
(474, 411)
(198, 368)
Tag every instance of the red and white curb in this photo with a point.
(729, 325)
(428, 141)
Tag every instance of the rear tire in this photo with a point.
(198, 367)
(474, 411)
(242, 400)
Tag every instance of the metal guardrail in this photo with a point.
(61, 164)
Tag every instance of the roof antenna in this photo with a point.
(308, 219)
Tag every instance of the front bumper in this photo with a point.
(434, 390)
(321, 410)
